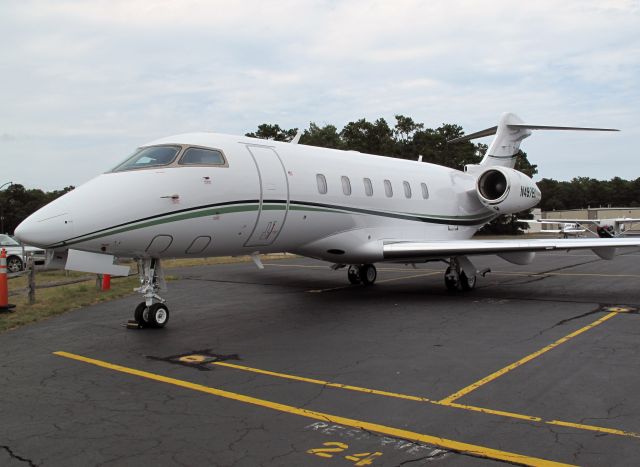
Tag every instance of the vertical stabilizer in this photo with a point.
(506, 143)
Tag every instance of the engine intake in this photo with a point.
(492, 185)
(506, 190)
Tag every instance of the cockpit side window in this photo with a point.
(152, 156)
(200, 156)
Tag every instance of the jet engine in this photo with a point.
(506, 190)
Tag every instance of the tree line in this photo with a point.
(18, 202)
(404, 139)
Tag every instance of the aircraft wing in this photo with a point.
(511, 250)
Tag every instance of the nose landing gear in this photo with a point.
(149, 314)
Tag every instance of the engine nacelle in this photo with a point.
(506, 190)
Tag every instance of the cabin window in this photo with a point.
(322, 184)
(151, 156)
(346, 186)
(368, 187)
(388, 189)
(425, 190)
(407, 189)
(200, 156)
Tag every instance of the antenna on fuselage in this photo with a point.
(419, 157)
(296, 138)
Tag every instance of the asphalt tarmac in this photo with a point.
(292, 366)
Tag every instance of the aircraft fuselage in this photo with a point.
(267, 197)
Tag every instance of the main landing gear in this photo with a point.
(461, 274)
(362, 274)
(149, 314)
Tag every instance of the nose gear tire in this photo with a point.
(158, 315)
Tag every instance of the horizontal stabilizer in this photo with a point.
(476, 135)
(549, 127)
(517, 126)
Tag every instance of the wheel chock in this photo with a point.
(8, 308)
(133, 324)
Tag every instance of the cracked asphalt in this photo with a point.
(405, 336)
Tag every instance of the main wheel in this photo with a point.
(158, 315)
(368, 274)
(353, 274)
(141, 314)
(467, 283)
(14, 264)
(452, 283)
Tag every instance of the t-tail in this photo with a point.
(510, 132)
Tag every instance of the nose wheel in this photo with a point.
(153, 312)
(154, 316)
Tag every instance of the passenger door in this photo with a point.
(274, 196)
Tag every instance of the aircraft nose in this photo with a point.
(45, 228)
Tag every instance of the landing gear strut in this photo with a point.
(362, 274)
(458, 277)
(149, 314)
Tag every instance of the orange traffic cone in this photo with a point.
(4, 283)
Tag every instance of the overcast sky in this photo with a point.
(84, 83)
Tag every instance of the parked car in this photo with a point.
(17, 253)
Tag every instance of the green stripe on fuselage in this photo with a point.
(275, 206)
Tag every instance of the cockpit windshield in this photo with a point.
(152, 156)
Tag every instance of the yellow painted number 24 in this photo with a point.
(333, 447)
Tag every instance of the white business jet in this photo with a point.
(604, 228)
(566, 230)
(206, 194)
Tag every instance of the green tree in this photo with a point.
(324, 137)
(368, 137)
(17, 203)
(273, 132)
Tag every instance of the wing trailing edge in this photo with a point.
(419, 251)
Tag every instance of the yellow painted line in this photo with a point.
(594, 428)
(377, 282)
(522, 361)
(490, 411)
(452, 445)
(501, 413)
(323, 383)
